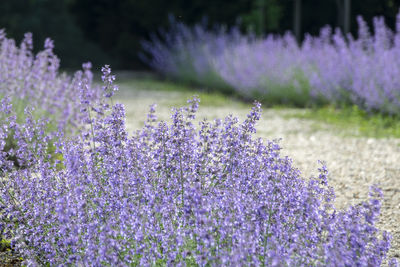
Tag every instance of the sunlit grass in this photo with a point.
(208, 97)
(349, 120)
(354, 121)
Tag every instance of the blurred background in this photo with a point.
(111, 31)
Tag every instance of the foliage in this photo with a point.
(50, 18)
(111, 31)
(360, 122)
(176, 194)
(130, 21)
(264, 16)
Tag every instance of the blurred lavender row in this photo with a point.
(329, 68)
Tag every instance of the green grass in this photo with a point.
(349, 120)
(354, 121)
(5, 244)
(207, 97)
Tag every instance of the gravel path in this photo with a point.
(355, 163)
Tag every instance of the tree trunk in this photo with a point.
(340, 16)
(347, 16)
(297, 20)
(261, 18)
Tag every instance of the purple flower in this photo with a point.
(171, 194)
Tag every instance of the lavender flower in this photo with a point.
(176, 194)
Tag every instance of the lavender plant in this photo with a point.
(187, 54)
(329, 68)
(271, 70)
(32, 85)
(177, 194)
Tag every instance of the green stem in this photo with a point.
(181, 171)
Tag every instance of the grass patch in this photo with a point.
(351, 119)
(208, 97)
(5, 245)
(358, 122)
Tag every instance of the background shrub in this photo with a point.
(330, 68)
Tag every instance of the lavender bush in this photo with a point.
(34, 87)
(269, 69)
(176, 194)
(330, 68)
(187, 54)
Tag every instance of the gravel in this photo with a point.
(355, 163)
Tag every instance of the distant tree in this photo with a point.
(110, 31)
(48, 18)
(118, 26)
(263, 17)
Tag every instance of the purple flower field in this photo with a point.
(329, 68)
(173, 193)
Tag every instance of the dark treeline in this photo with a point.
(110, 31)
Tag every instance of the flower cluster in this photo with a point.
(329, 68)
(176, 194)
(188, 54)
(32, 85)
(34, 81)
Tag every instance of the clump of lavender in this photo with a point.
(33, 88)
(176, 194)
(187, 54)
(329, 68)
